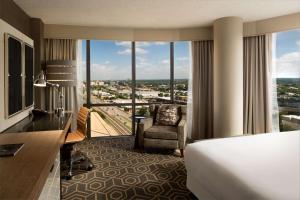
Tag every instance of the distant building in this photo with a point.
(292, 121)
(163, 86)
(148, 94)
(112, 83)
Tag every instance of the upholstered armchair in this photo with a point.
(153, 134)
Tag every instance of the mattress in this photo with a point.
(263, 166)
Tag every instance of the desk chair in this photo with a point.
(75, 137)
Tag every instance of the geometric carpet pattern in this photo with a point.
(123, 173)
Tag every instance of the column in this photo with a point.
(228, 77)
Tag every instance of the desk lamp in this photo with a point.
(42, 82)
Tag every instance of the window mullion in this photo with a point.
(172, 72)
(133, 85)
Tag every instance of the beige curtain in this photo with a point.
(61, 49)
(202, 90)
(257, 84)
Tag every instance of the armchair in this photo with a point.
(153, 135)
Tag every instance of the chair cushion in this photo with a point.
(74, 137)
(162, 132)
(167, 115)
(160, 143)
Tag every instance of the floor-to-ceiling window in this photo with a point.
(287, 72)
(110, 88)
(125, 77)
(152, 74)
(181, 71)
(81, 72)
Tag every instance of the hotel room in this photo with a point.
(139, 99)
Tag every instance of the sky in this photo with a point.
(288, 54)
(111, 60)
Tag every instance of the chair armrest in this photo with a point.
(143, 126)
(182, 133)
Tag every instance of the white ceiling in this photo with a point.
(153, 13)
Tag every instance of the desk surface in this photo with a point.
(40, 123)
(23, 175)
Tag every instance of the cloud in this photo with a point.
(161, 43)
(182, 58)
(298, 43)
(166, 61)
(125, 52)
(123, 44)
(111, 72)
(290, 57)
(147, 70)
(181, 71)
(139, 50)
(288, 65)
(147, 44)
(140, 59)
(142, 44)
(107, 62)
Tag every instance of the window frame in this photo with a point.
(133, 103)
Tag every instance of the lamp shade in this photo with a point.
(40, 81)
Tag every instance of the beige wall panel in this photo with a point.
(102, 33)
(84, 32)
(272, 25)
(282, 23)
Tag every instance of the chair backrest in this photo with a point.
(82, 120)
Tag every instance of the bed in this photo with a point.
(263, 166)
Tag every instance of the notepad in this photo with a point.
(10, 149)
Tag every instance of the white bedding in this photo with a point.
(264, 166)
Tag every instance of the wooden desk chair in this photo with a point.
(75, 137)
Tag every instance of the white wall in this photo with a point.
(6, 28)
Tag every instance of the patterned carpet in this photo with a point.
(122, 173)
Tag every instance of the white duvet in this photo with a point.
(264, 166)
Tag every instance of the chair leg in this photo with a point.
(70, 174)
(181, 153)
(68, 156)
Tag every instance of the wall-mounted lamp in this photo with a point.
(42, 82)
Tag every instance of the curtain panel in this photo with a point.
(61, 49)
(201, 107)
(257, 84)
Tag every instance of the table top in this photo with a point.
(45, 122)
(24, 175)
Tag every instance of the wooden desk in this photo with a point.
(23, 176)
(47, 122)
